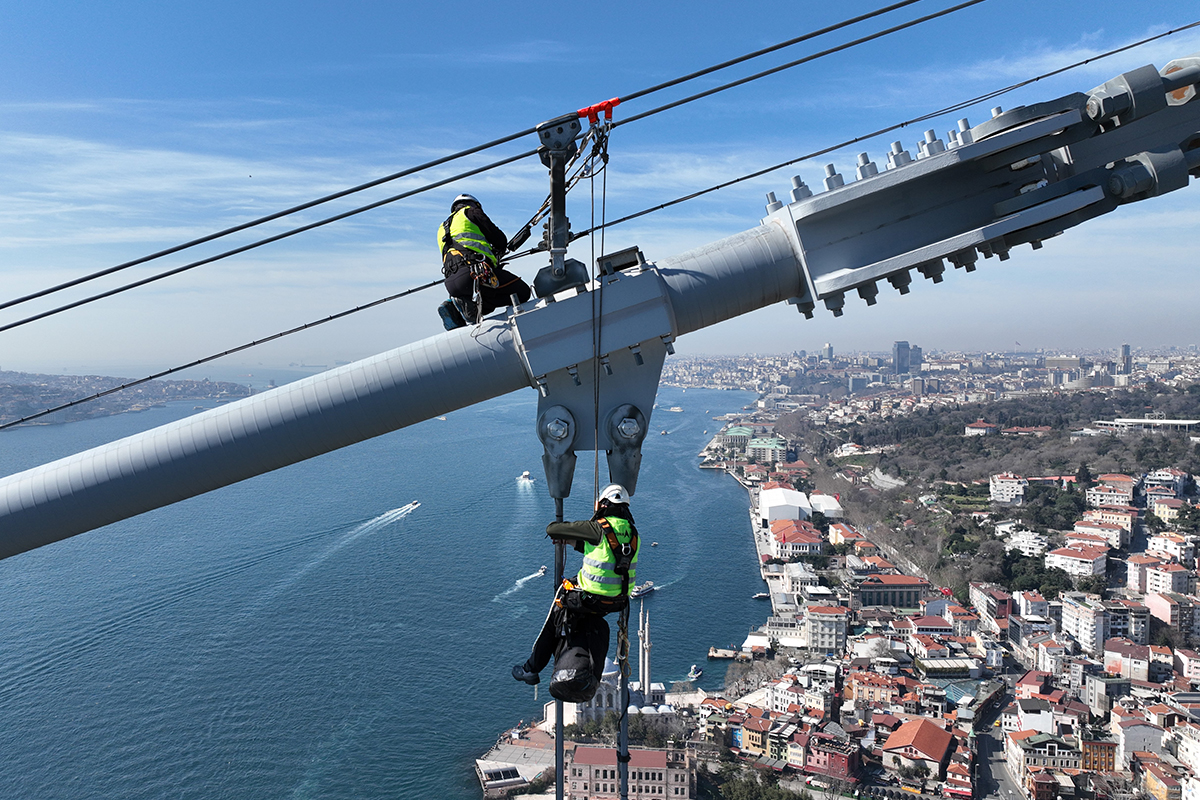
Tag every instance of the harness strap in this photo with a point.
(622, 553)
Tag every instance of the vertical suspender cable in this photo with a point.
(559, 562)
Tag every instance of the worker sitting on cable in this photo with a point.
(575, 632)
(471, 247)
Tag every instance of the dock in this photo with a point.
(737, 655)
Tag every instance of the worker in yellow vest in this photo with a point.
(575, 633)
(472, 246)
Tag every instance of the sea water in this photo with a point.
(310, 633)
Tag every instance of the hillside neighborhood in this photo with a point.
(1073, 673)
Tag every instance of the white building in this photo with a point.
(1173, 545)
(1116, 536)
(1028, 543)
(827, 504)
(825, 628)
(1008, 488)
(778, 503)
(1083, 619)
(1079, 561)
(1032, 604)
(1109, 496)
(1164, 578)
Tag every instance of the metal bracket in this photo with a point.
(556, 429)
(557, 137)
(626, 430)
(1021, 177)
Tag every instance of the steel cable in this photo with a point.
(428, 165)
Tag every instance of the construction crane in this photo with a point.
(594, 348)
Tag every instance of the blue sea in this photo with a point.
(301, 635)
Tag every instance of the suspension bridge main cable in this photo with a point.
(429, 165)
(222, 354)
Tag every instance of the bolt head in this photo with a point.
(557, 429)
(629, 428)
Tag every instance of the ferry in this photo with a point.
(643, 589)
(694, 673)
(676, 409)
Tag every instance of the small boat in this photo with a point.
(694, 673)
(676, 409)
(443, 419)
(662, 433)
(643, 589)
(762, 596)
(542, 571)
(654, 544)
(525, 476)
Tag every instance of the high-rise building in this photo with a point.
(915, 357)
(1126, 360)
(900, 358)
(827, 352)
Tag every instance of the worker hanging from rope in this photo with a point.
(472, 247)
(575, 633)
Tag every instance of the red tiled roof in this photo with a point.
(927, 738)
(607, 756)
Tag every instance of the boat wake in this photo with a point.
(57, 654)
(355, 533)
(516, 587)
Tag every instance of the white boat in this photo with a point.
(762, 596)
(643, 589)
(525, 476)
(542, 571)
(676, 409)
(694, 673)
(654, 544)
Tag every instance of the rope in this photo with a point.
(600, 151)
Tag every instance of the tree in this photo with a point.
(1084, 475)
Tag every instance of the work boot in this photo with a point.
(525, 676)
(451, 319)
(467, 310)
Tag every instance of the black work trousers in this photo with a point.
(461, 285)
(580, 618)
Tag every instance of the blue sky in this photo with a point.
(126, 127)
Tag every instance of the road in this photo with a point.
(993, 779)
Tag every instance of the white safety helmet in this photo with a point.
(464, 199)
(614, 493)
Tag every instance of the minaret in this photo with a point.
(644, 651)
